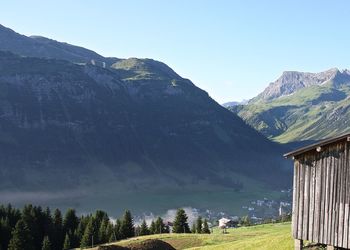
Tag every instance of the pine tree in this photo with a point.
(70, 225)
(46, 244)
(21, 237)
(12, 214)
(199, 225)
(118, 229)
(57, 235)
(152, 228)
(84, 220)
(180, 224)
(193, 228)
(127, 226)
(100, 217)
(38, 224)
(70, 222)
(114, 232)
(205, 229)
(29, 217)
(137, 231)
(67, 242)
(90, 235)
(109, 232)
(48, 228)
(5, 232)
(144, 228)
(102, 232)
(160, 226)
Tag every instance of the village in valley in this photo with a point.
(254, 213)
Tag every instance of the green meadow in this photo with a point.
(268, 236)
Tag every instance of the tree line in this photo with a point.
(35, 228)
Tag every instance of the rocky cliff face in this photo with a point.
(292, 81)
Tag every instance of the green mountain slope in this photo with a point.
(301, 106)
(133, 132)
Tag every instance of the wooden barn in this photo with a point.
(321, 193)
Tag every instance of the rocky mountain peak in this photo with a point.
(292, 81)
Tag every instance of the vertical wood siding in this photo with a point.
(321, 196)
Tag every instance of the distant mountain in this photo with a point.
(292, 81)
(301, 106)
(230, 104)
(129, 130)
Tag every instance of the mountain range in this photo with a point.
(79, 129)
(230, 104)
(301, 106)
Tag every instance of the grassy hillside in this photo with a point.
(311, 113)
(268, 236)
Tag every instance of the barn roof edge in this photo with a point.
(316, 145)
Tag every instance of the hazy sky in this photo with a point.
(232, 49)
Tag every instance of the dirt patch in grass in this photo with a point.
(151, 245)
(112, 247)
(185, 242)
(144, 245)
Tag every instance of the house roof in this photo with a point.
(344, 137)
(224, 220)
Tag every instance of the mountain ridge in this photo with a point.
(291, 81)
(133, 126)
(301, 106)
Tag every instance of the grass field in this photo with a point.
(268, 236)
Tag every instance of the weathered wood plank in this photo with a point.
(312, 200)
(298, 244)
(336, 205)
(317, 202)
(347, 199)
(315, 207)
(301, 200)
(328, 190)
(322, 199)
(338, 166)
(306, 201)
(295, 200)
(331, 199)
(346, 193)
(340, 186)
(341, 196)
(343, 203)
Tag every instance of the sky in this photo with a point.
(231, 49)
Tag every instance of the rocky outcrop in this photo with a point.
(292, 81)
